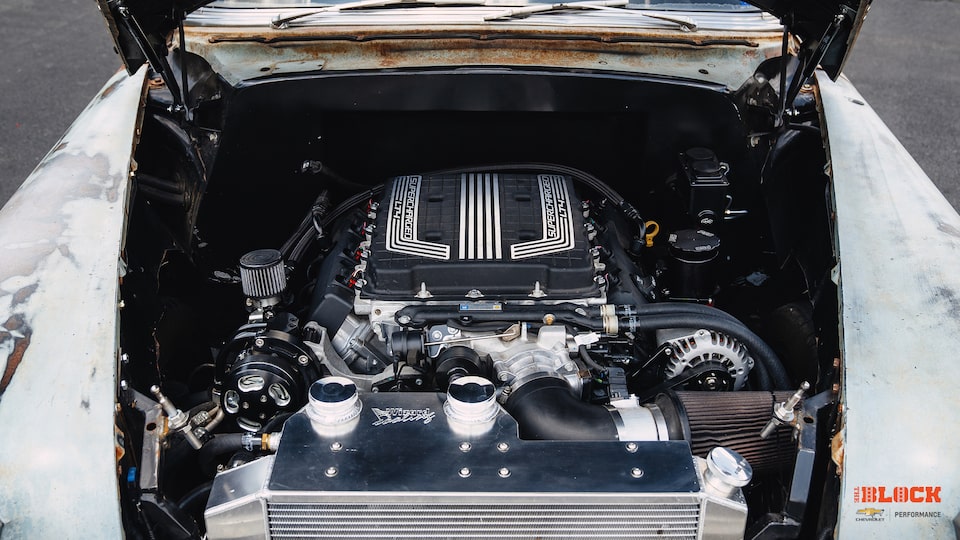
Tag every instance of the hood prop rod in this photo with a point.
(808, 63)
(157, 61)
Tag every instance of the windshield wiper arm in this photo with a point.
(523, 11)
(686, 23)
(283, 22)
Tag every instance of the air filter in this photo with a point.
(733, 420)
(262, 274)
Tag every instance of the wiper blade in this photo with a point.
(284, 22)
(523, 11)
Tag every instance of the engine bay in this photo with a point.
(356, 306)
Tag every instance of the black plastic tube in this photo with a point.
(545, 409)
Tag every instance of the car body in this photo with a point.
(385, 265)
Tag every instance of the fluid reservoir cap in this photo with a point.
(700, 154)
(472, 391)
(703, 162)
(727, 470)
(471, 400)
(694, 246)
(333, 401)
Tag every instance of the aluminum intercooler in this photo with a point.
(401, 469)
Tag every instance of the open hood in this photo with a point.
(828, 28)
(140, 27)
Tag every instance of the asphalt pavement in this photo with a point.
(57, 54)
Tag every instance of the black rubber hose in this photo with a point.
(676, 308)
(195, 500)
(768, 364)
(219, 445)
(588, 360)
(545, 409)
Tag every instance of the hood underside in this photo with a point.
(827, 28)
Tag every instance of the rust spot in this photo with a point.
(836, 451)
(14, 323)
(110, 89)
(23, 294)
(13, 361)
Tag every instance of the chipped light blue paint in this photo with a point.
(899, 245)
(60, 238)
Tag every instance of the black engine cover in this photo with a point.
(497, 233)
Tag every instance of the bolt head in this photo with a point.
(465, 447)
(303, 360)
(503, 447)
(636, 472)
(258, 342)
(336, 446)
(464, 472)
(331, 472)
(632, 447)
(503, 472)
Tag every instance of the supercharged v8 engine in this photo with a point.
(512, 350)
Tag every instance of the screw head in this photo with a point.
(258, 342)
(503, 472)
(503, 447)
(303, 360)
(331, 472)
(336, 446)
(465, 447)
(636, 472)
(632, 447)
(464, 472)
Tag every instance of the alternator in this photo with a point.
(693, 349)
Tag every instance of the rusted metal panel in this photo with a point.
(723, 57)
(899, 244)
(60, 238)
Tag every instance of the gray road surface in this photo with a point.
(56, 55)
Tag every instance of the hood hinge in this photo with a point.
(157, 61)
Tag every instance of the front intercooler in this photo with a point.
(403, 469)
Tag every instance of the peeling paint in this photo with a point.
(15, 356)
(60, 239)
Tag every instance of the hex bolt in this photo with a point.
(303, 360)
(465, 447)
(632, 447)
(636, 472)
(331, 472)
(503, 472)
(464, 472)
(503, 447)
(258, 342)
(403, 319)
